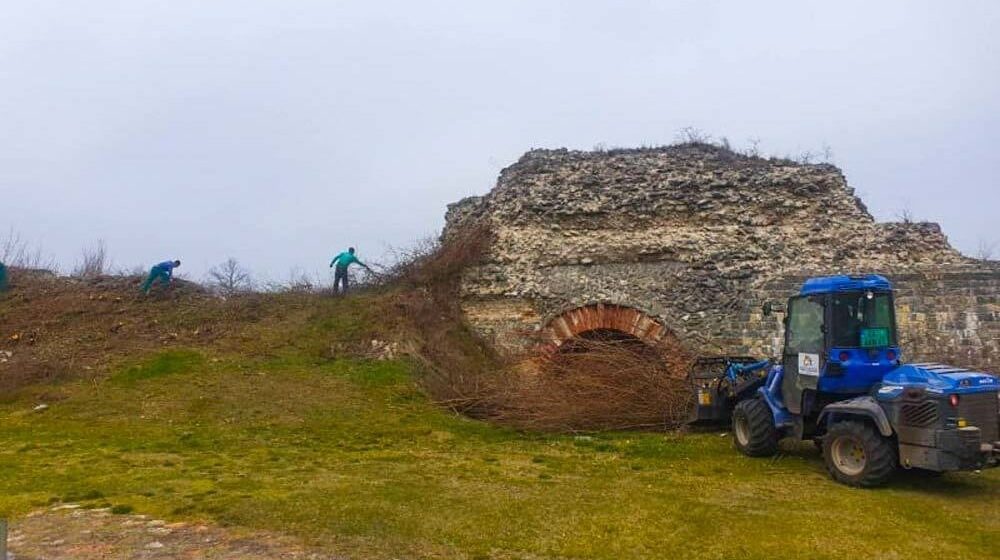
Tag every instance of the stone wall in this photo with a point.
(694, 238)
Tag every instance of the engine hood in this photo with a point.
(939, 378)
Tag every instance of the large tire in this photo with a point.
(857, 455)
(754, 433)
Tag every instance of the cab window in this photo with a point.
(863, 320)
(805, 325)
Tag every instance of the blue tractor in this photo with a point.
(841, 383)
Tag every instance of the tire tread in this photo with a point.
(760, 422)
(879, 451)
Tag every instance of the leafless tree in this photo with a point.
(15, 251)
(93, 261)
(986, 250)
(298, 281)
(827, 153)
(230, 277)
(135, 270)
(905, 215)
(806, 157)
(692, 135)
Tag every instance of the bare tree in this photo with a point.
(135, 270)
(299, 281)
(12, 246)
(986, 250)
(15, 251)
(692, 135)
(230, 277)
(905, 215)
(93, 262)
(827, 153)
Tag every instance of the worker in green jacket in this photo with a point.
(342, 261)
(3, 277)
(162, 272)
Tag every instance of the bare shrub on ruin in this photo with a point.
(826, 153)
(422, 286)
(93, 261)
(230, 277)
(693, 135)
(437, 264)
(987, 250)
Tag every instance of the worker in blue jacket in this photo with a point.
(342, 261)
(3, 277)
(163, 273)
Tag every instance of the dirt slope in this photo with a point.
(55, 328)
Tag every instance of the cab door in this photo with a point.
(803, 353)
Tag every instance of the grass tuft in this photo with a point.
(165, 363)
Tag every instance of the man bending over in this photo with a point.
(163, 273)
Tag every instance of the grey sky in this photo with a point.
(280, 132)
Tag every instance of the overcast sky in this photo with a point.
(281, 132)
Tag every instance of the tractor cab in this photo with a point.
(840, 340)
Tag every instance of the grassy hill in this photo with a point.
(265, 412)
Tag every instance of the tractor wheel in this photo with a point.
(753, 428)
(857, 455)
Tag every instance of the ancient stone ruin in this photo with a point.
(686, 242)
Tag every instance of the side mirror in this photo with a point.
(770, 307)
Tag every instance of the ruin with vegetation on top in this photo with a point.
(684, 243)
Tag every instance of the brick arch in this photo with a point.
(602, 316)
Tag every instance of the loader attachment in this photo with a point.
(718, 382)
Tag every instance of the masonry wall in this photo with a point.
(696, 238)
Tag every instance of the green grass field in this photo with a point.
(350, 454)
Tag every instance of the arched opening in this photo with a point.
(602, 321)
(609, 340)
(606, 366)
(616, 332)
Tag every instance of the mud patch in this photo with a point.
(70, 532)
